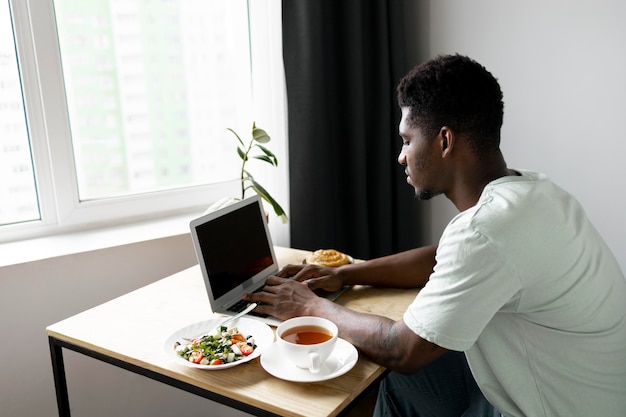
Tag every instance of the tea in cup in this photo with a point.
(307, 341)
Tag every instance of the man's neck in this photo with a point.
(474, 177)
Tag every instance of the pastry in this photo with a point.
(327, 257)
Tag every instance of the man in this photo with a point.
(520, 281)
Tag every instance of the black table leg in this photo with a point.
(60, 382)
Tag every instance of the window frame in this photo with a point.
(49, 130)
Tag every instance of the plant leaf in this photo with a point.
(246, 175)
(267, 197)
(269, 153)
(237, 136)
(241, 153)
(260, 135)
(266, 159)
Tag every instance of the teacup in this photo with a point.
(307, 341)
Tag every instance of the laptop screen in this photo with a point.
(234, 247)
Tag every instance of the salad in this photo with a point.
(225, 346)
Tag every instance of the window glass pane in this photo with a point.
(151, 87)
(18, 193)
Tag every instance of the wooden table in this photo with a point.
(151, 313)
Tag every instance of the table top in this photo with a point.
(125, 327)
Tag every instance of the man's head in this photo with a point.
(456, 92)
(451, 118)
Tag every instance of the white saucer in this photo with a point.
(343, 358)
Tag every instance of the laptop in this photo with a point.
(236, 255)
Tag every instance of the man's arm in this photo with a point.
(386, 342)
(409, 269)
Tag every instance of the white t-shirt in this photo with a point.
(527, 288)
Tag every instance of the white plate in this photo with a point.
(343, 358)
(263, 338)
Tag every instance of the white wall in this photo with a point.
(562, 68)
(36, 294)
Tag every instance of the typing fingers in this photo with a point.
(290, 271)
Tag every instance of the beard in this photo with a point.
(424, 195)
(427, 193)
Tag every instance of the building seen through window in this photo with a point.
(18, 194)
(151, 87)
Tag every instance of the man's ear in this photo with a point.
(447, 140)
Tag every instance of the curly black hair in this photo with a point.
(457, 92)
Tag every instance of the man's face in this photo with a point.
(420, 158)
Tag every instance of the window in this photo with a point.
(126, 105)
(18, 193)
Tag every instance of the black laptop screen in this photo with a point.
(234, 247)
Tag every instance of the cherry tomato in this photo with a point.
(196, 356)
(216, 362)
(245, 348)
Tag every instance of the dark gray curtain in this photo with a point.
(343, 60)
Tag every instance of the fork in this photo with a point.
(243, 312)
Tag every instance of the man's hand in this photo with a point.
(314, 276)
(284, 298)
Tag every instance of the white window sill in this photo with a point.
(31, 250)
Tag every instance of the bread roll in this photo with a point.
(328, 257)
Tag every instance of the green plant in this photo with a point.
(259, 137)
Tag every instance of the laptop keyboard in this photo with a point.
(242, 304)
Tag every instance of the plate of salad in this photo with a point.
(206, 345)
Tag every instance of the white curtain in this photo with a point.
(270, 98)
